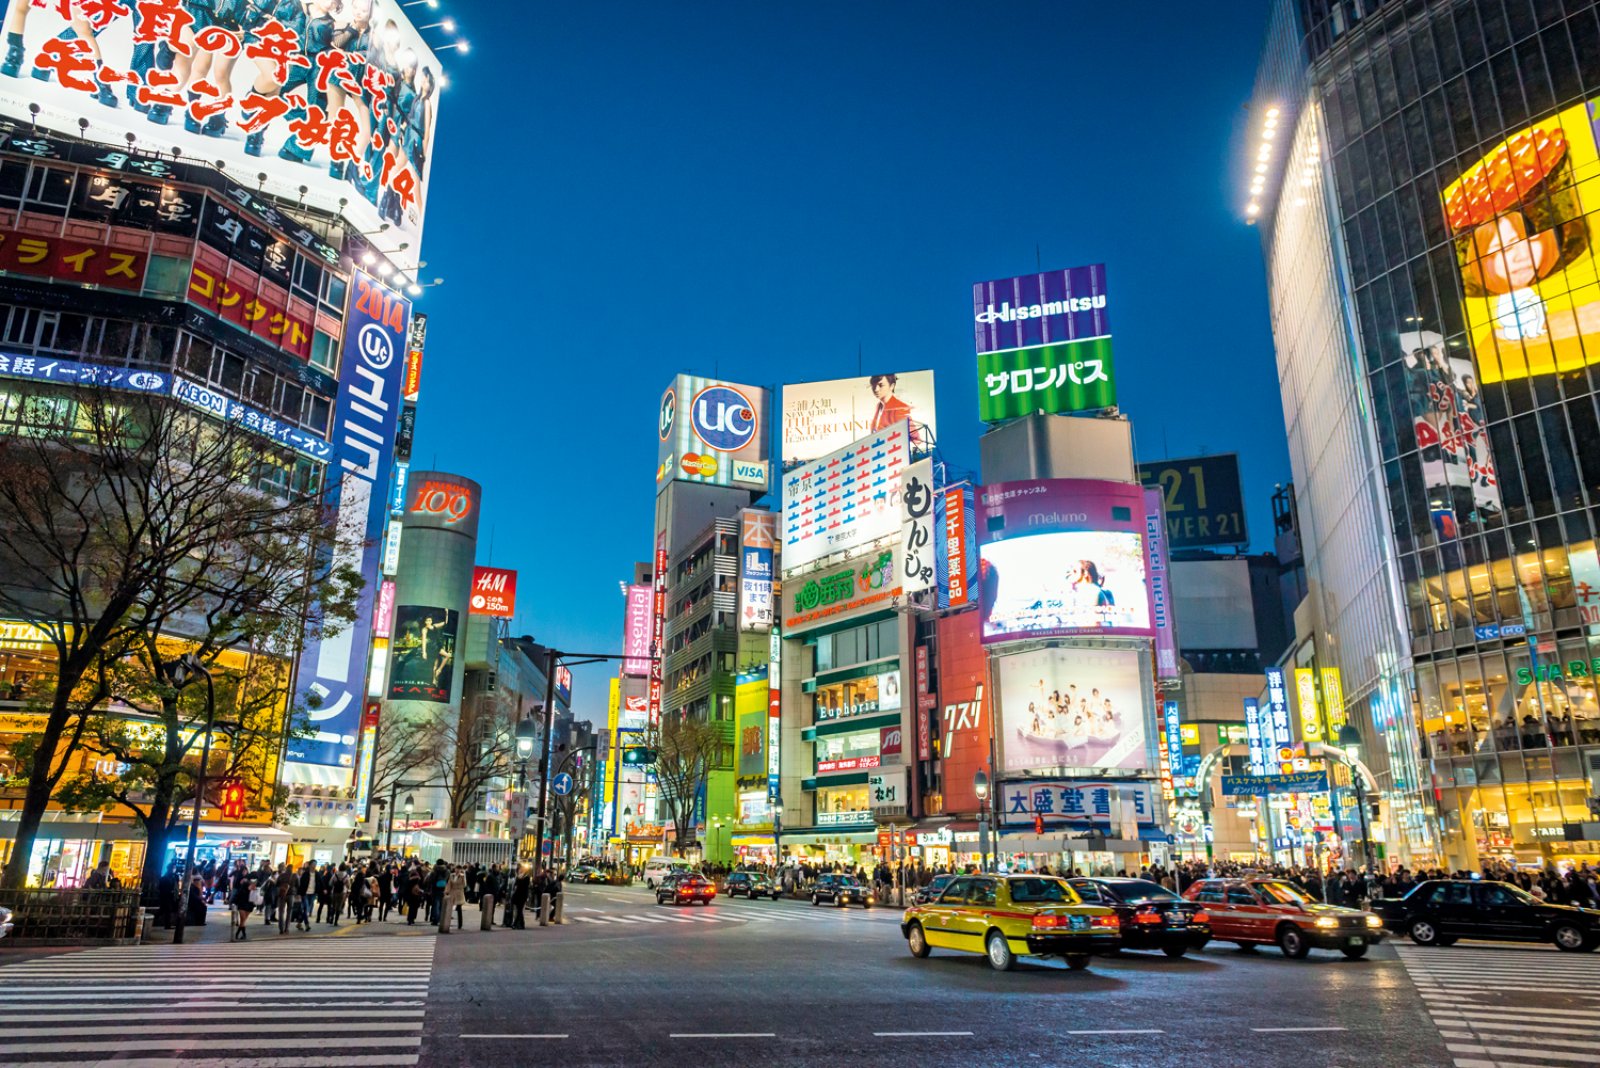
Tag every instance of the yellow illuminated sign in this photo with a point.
(1305, 683)
(1190, 733)
(1333, 700)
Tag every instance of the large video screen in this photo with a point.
(333, 102)
(1071, 708)
(1068, 582)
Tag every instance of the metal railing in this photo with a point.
(74, 917)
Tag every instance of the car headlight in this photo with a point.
(1327, 921)
(1374, 921)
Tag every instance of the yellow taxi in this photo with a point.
(1009, 916)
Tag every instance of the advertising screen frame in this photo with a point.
(818, 418)
(1122, 677)
(845, 501)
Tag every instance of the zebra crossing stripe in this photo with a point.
(55, 1010)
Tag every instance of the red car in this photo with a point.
(1263, 911)
(685, 888)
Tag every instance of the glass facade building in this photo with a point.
(1426, 178)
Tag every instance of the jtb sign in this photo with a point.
(333, 671)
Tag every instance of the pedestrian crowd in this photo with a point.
(362, 891)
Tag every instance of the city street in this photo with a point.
(628, 982)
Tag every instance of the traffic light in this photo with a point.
(637, 756)
(232, 801)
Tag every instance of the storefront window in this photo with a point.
(842, 805)
(859, 697)
(848, 752)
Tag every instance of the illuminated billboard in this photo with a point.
(1069, 582)
(844, 500)
(494, 592)
(1072, 708)
(1063, 556)
(823, 417)
(1040, 309)
(334, 105)
(1447, 418)
(758, 531)
(424, 653)
(636, 633)
(1054, 379)
(712, 432)
(1202, 498)
(1525, 248)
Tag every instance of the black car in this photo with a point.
(840, 890)
(1440, 911)
(751, 884)
(931, 892)
(1152, 916)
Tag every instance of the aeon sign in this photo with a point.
(723, 418)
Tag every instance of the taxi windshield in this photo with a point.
(1042, 892)
(1284, 894)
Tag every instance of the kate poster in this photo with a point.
(424, 654)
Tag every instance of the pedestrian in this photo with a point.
(288, 896)
(195, 910)
(167, 904)
(412, 895)
(338, 888)
(519, 899)
(385, 891)
(455, 895)
(244, 898)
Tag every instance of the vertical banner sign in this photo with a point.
(638, 628)
(658, 627)
(1333, 702)
(368, 754)
(1159, 569)
(957, 560)
(925, 704)
(916, 527)
(774, 716)
(333, 669)
(411, 385)
(1256, 736)
(1276, 728)
(758, 532)
(1174, 741)
(1305, 684)
(383, 617)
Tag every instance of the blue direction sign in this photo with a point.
(562, 784)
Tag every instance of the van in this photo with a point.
(656, 868)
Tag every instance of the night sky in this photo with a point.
(623, 190)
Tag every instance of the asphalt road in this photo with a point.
(631, 983)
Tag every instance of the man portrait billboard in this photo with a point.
(823, 417)
(423, 656)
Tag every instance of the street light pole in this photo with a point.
(980, 787)
(1350, 742)
(180, 673)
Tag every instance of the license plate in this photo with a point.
(1354, 940)
(1180, 922)
(1080, 922)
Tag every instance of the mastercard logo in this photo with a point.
(701, 466)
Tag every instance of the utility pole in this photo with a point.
(551, 657)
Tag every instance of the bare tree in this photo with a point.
(686, 751)
(472, 750)
(122, 514)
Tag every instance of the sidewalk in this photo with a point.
(218, 928)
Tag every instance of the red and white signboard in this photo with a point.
(494, 592)
(890, 741)
(849, 764)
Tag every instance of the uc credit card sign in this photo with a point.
(712, 432)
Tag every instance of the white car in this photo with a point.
(5, 921)
(657, 868)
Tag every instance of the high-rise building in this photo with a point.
(1426, 179)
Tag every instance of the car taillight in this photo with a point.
(1048, 919)
(1107, 921)
(1147, 915)
(1200, 917)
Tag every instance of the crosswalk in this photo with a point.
(692, 915)
(1510, 1008)
(353, 1003)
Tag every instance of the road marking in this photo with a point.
(1126, 1032)
(1288, 1030)
(1534, 1055)
(724, 1034)
(921, 1034)
(511, 1036)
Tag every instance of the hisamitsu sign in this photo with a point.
(1300, 782)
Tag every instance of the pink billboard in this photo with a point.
(636, 634)
(1063, 557)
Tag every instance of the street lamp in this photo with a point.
(1350, 742)
(980, 787)
(525, 735)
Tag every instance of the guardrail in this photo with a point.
(73, 917)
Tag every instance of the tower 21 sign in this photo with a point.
(712, 432)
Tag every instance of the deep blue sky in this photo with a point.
(622, 190)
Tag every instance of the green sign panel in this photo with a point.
(1074, 376)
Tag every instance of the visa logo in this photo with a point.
(754, 471)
